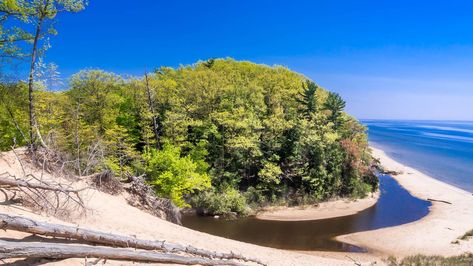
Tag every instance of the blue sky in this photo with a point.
(388, 59)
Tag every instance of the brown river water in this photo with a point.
(394, 207)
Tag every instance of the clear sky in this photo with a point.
(388, 59)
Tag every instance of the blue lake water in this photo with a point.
(441, 149)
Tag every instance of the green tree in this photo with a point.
(173, 176)
(41, 14)
(335, 105)
(308, 98)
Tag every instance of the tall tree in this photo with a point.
(40, 14)
(151, 110)
(335, 104)
(309, 98)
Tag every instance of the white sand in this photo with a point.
(431, 235)
(324, 210)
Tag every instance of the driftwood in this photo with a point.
(10, 250)
(92, 236)
(443, 201)
(354, 261)
(391, 172)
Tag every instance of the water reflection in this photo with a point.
(394, 207)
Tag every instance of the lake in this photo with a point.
(440, 149)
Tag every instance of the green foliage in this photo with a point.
(308, 99)
(335, 105)
(220, 202)
(16, 16)
(13, 118)
(227, 133)
(173, 176)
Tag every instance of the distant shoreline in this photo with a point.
(432, 235)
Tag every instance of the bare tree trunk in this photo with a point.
(34, 52)
(55, 230)
(65, 251)
(151, 109)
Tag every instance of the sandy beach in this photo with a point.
(432, 235)
(324, 210)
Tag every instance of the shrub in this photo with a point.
(360, 189)
(467, 235)
(214, 202)
(422, 260)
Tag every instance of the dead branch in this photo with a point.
(443, 201)
(64, 251)
(106, 182)
(63, 231)
(143, 197)
(9, 182)
(354, 261)
(53, 198)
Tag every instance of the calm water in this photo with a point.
(443, 150)
(395, 206)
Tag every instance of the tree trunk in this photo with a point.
(151, 109)
(34, 52)
(65, 251)
(63, 231)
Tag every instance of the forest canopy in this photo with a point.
(219, 135)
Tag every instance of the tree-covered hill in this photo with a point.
(219, 135)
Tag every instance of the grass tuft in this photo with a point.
(422, 260)
(467, 235)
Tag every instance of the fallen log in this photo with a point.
(38, 250)
(27, 225)
(443, 201)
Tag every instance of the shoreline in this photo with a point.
(323, 210)
(431, 235)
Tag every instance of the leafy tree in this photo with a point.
(41, 14)
(173, 176)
